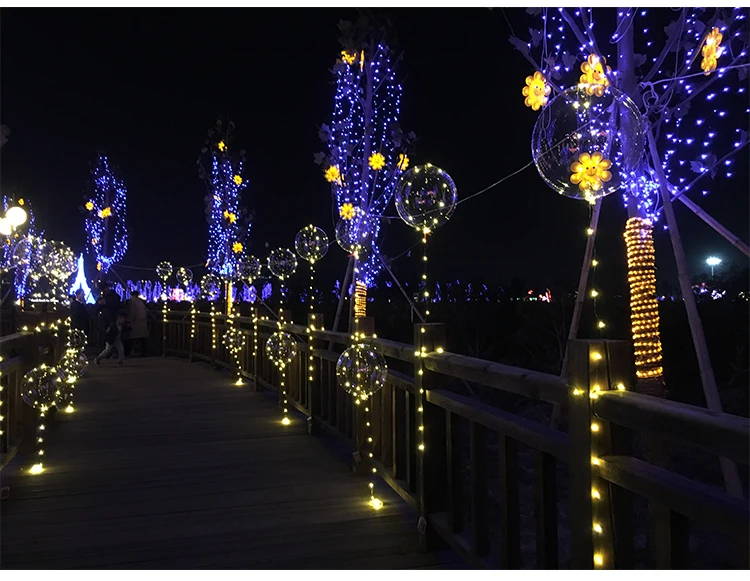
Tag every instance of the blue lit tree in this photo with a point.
(25, 234)
(367, 149)
(105, 208)
(688, 139)
(228, 222)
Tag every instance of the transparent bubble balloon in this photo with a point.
(425, 197)
(211, 287)
(359, 232)
(39, 386)
(311, 243)
(57, 260)
(164, 270)
(64, 393)
(250, 269)
(281, 348)
(586, 146)
(184, 276)
(282, 262)
(23, 253)
(73, 365)
(77, 339)
(234, 339)
(361, 371)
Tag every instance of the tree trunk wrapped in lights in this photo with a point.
(644, 308)
(360, 300)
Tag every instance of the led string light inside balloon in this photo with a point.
(311, 244)
(361, 371)
(426, 198)
(282, 263)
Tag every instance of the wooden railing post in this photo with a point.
(590, 508)
(313, 372)
(430, 433)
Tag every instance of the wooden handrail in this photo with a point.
(721, 434)
(692, 499)
(532, 384)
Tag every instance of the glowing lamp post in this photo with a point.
(14, 217)
(713, 261)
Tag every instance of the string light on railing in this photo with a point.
(426, 198)
(361, 372)
(234, 341)
(2, 417)
(40, 386)
(281, 349)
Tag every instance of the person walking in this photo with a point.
(138, 315)
(113, 337)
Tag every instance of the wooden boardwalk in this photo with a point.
(167, 465)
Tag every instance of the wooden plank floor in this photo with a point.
(167, 465)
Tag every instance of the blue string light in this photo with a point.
(351, 144)
(106, 230)
(228, 223)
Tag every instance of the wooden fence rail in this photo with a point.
(458, 462)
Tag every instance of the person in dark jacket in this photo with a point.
(108, 306)
(79, 316)
(113, 337)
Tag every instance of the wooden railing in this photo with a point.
(39, 340)
(501, 489)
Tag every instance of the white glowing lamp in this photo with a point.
(6, 228)
(16, 216)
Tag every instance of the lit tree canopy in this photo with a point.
(687, 74)
(19, 252)
(105, 208)
(367, 149)
(228, 222)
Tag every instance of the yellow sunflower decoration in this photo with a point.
(89, 205)
(347, 211)
(595, 71)
(221, 145)
(590, 172)
(237, 180)
(711, 51)
(98, 266)
(231, 216)
(333, 175)
(536, 91)
(348, 57)
(403, 161)
(377, 161)
(21, 202)
(237, 247)
(105, 213)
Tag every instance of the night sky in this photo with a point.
(146, 85)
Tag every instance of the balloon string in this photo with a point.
(425, 292)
